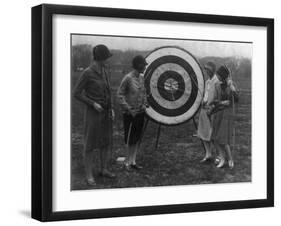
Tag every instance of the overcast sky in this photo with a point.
(197, 48)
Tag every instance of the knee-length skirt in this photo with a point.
(223, 126)
(97, 129)
(204, 131)
(133, 127)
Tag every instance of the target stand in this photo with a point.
(174, 85)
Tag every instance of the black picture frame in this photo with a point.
(42, 107)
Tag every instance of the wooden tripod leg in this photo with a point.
(157, 138)
(195, 124)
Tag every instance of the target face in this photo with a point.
(174, 84)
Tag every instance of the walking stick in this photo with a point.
(127, 143)
(129, 134)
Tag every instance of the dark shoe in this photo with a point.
(136, 166)
(107, 174)
(91, 182)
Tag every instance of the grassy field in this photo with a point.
(176, 161)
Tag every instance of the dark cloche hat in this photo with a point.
(101, 52)
(137, 61)
(223, 72)
(210, 66)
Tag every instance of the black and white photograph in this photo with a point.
(149, 112)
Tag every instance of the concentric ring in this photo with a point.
(171, 85)
(174, 83)
(157, 91)
(156, 102)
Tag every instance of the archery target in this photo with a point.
(174, 84)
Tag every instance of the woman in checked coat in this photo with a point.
(132, 98)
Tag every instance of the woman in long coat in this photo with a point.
(225, 96)
(93, 89)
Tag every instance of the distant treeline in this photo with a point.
(82, 57)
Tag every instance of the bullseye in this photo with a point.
(171, 85)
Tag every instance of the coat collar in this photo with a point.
(135, 73)
(96, 68)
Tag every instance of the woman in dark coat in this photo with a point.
(225, 98)
(93, 89)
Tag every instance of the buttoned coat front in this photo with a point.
(93, 86)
